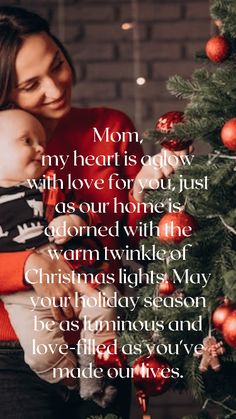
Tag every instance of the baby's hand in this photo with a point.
(85, 289)
(65, 223)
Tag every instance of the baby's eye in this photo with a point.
(27, 141)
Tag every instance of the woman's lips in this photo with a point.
(58, 103)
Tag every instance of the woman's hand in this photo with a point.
(39, 270)
(157, 171)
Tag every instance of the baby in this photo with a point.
(24, 215)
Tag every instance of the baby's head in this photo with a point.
(22, 143)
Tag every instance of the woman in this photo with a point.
(36, 75)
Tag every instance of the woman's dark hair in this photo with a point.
(15, 24)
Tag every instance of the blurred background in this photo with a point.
(124, 51)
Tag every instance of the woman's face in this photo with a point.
(43, 78)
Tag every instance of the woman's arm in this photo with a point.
(28, 269)
(52, 278)
(12, 267)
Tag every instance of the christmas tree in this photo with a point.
(186, 310)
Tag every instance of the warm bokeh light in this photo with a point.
(127, 25)
(140, 81)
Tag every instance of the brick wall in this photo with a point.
(170, 32)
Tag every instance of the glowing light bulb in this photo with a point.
(140, 81)
(127, 26)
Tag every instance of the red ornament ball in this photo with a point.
(229, 329)
(110, 356)
(220, 314)
(173, 144)
(217, 48)
(166, 287)
(228, 134)
(176, 226)
(165, 122)
(151, 375)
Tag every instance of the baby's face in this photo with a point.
(22, 143)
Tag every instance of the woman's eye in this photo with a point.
(30, 87)
(58, 65)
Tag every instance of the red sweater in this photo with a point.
(75, 132)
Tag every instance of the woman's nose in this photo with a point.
(51, 89)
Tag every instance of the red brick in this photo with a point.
(198, 10)
(186, 30)
(91, 51)
(92, 90)
(44, 3)
(78, 70)
(151, 90)
(40, 10)
(152, 12)
(108, 32)
(192, 47)
(165, 70)
(152, 50)
(71, 32)
(173, 104)
(30, 4)
(113, 71)
(81, 12)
